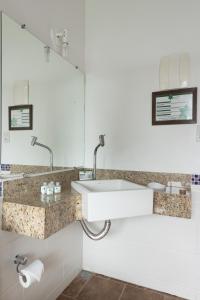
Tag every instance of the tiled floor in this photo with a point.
(89, 286)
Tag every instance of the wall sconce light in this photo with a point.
(175, 71)
(60, 41)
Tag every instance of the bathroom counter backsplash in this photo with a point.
(9, 172)
(143, 178)
(33, 183)
(13, 168)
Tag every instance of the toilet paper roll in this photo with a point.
(32, 273)
(26, 281)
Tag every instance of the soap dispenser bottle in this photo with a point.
(50, 188)
(44, 188)
(57, 188)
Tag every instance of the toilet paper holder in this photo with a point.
(20, 260)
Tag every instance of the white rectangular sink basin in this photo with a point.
(113, 199)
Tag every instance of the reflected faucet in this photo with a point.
(34, 142)
(101, 144)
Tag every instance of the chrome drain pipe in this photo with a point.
(96, 236)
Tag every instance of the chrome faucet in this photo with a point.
(34, 142)
(101, 144)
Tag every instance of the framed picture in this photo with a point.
(177, 106)
(20, 117)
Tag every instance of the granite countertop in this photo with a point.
(173, 205)
(38, 200)
(27, 212)
(39, 216)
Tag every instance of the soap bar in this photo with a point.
(156, 186)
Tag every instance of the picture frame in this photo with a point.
(176, 106)
(20, 117)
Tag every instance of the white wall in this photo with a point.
(158, 252)
(41, 16)
(62, 257)
(124, 43)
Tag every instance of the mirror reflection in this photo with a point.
(33, 74)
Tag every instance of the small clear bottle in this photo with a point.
(44, 188)
(57, 188)
(52, 185)
(50, 188)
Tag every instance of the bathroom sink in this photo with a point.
(113, 199)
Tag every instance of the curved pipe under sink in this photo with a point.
(107, 223)
(99, 235)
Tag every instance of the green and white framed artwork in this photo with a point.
(20, 117)
(178, 106)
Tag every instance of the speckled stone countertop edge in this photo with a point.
(40, 221)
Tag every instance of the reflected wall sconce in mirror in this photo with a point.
(60, 41)
(21, 92)
(20, 117)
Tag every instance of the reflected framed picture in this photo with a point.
(178, 106)
(20, 117)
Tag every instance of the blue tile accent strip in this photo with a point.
(5, 167)
(196, 179)
(1, 188)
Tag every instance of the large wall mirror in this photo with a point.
(55, 89)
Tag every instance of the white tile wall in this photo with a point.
(62, 257)
(162, 253)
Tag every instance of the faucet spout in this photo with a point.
(34, 142)
(101, 144)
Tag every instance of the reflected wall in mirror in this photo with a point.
(56, 91)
